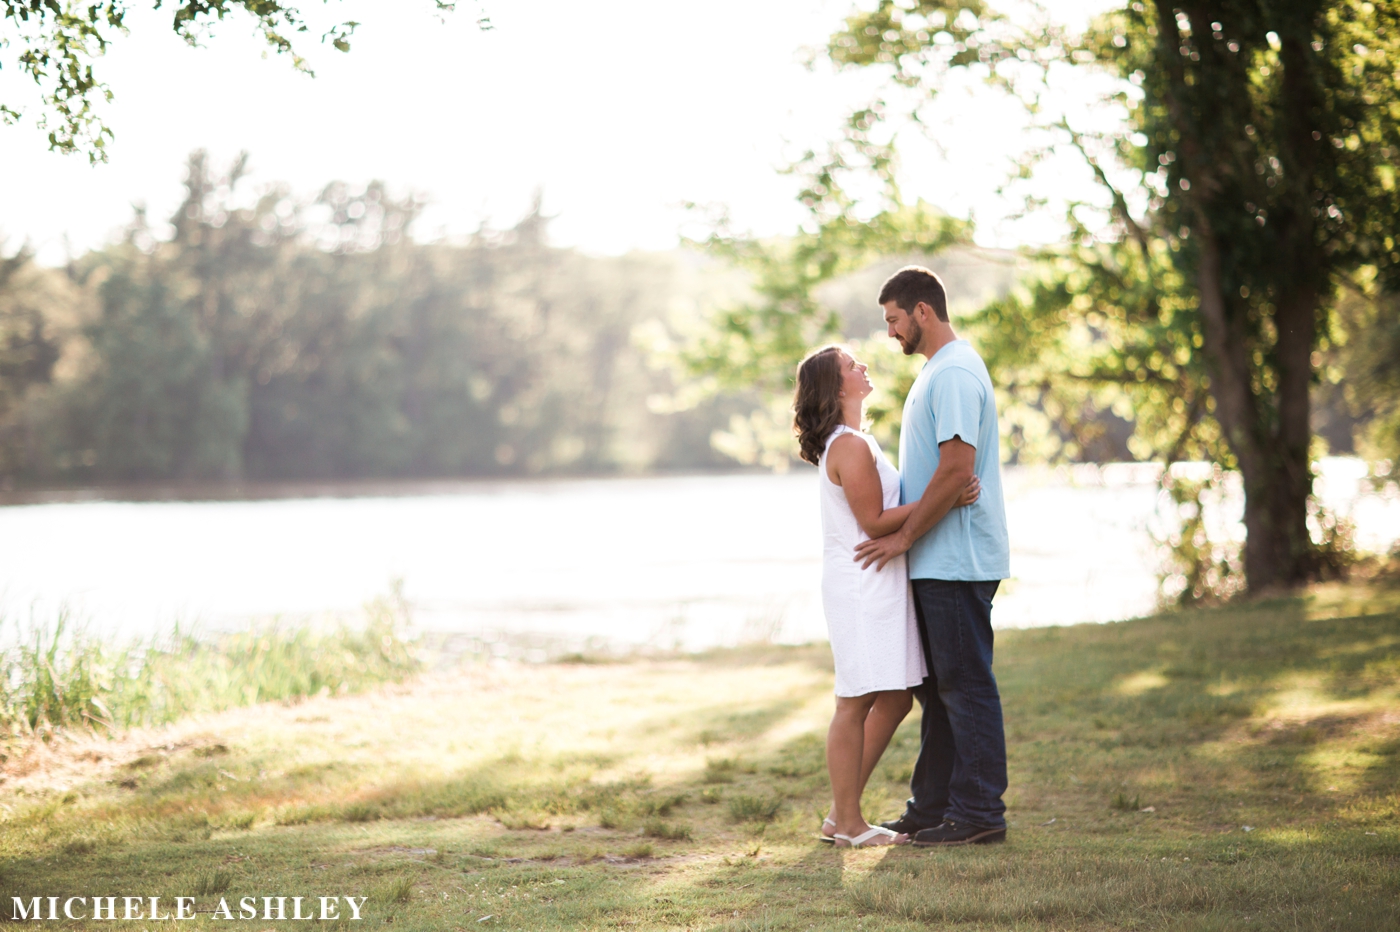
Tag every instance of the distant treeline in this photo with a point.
(262, 337)
(270, 339)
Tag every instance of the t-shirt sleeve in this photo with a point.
(957, 406)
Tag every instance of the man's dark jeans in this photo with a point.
(961, 771)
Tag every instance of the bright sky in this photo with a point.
(619, 110)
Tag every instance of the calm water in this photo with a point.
(674, 561)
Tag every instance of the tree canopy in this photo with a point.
(56, 42)
(1246, 227)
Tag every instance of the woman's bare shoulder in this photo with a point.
(849, 445)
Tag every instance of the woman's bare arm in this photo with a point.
(851, 465)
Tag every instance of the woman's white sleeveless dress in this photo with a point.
(869, 614)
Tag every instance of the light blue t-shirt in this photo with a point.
(953, 397)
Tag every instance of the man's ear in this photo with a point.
(923, 311)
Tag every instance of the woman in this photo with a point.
(869, 612)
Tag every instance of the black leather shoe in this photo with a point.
(906, 825)
(958, 833)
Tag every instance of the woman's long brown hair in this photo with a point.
(817, 402)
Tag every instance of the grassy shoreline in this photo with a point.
(56, 678)
(1226, 768)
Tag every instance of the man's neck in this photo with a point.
(935, 338)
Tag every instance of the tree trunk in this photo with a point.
(1266, 425)
(1286, 557)
(1272, 451)
(1289, 558)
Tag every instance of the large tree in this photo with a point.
(55, 42)
(1263, 137)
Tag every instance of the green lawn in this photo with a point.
(1235, 768)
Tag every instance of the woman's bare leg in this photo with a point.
(845, 743)
(888, 710)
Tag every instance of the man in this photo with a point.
(957, 558)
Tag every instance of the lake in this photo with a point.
(673, 561)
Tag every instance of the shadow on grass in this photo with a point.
(313, 848)
(1113, 887)
(1269, 686)
(446, 873)
(1250, 713)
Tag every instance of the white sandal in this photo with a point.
(825, 838)
(869, 838)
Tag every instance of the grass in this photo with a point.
(655, 828)
(745, 808)
(55, 677)
(1234, 768)
(214, 882)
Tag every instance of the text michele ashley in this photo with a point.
(149, 908)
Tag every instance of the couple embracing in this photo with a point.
(911, 560)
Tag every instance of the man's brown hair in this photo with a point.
(913, 284)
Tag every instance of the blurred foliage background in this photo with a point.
(264, 338)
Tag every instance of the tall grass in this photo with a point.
(52, 678)
(56, 676)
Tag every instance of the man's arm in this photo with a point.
(955, 470)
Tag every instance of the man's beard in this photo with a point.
(916, 336)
